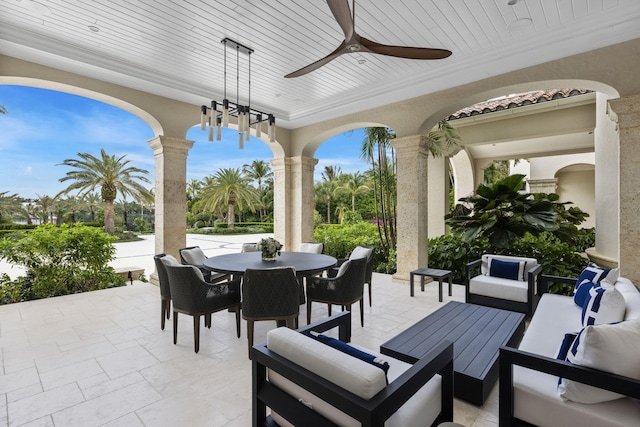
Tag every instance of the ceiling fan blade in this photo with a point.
(319, 63)
(404, 51)
(342, 13)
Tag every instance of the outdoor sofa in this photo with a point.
(530, 390)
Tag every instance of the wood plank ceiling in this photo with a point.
(172, 47)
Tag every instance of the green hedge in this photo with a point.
(17, 227)
(339, 240)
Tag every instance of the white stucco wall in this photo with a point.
(578, 187)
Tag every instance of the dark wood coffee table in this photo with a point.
(477, 333)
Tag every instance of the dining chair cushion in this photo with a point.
(360, 252)
(198, 273)
(314, 248)
(249, 247)
(194, 256)
(343, 268)
(169, 260)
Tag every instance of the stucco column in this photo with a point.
(479, 166)
(626, 113)
(438, 194)
(607, 187)
(543, 185)
(170, 193)
(412, 156)
(293, 200)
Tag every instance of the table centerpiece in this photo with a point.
(270, 248)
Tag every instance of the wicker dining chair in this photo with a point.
(271, 294)
(194, 255)
(358, 252)
(161, 261)
(192, 295)
(344, 289)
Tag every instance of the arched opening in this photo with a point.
(43, 127)
(576, 184)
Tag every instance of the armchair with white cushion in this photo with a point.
(505, 282)
(307, 382)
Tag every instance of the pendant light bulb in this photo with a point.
(258, 125)
(203, 117)
(240, 141)
(210, 133)
(225, 113)
(218, 129)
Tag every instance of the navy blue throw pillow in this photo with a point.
(506, 269)
(352, 351)
(566, 345)
(582, 292)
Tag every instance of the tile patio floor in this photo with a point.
(100, 358)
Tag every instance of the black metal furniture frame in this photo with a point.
(510, 357)
(373, 412)
(527, 308)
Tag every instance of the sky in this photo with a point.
(42, 128)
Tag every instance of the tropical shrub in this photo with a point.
(340, 239)
(502, 213)
(59, 261)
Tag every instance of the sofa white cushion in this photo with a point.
(354, 375)
(631, 298)
(613, 348)
(604, 304)
(420, 410)
(497, 287)
(536, 394)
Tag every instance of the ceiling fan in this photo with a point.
(355, 43)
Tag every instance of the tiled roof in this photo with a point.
(515, 101)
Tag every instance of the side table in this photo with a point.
(434, 274)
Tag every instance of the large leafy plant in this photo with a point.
(502, 213)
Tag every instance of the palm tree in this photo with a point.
(257, 171)
(47, 205)
(3, 110)
(193, 189)
(111, 175)
(92, 202)
(28, 213)
(228, 187)
(352, 184)
(331, 173)
(9, 204)
(376, 148)
(329, 176)
(444, 138)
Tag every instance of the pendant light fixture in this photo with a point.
(217, 115)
